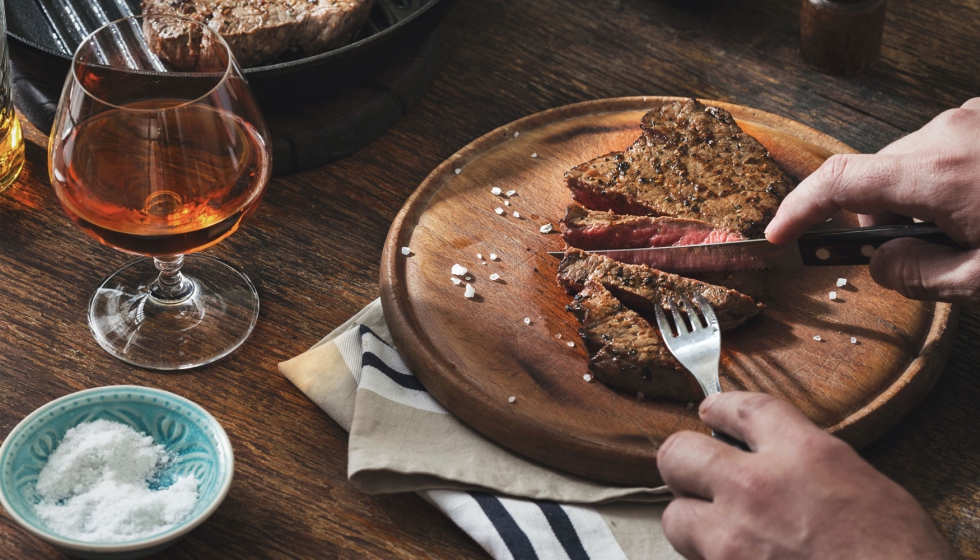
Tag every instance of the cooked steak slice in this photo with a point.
(257, 32)
(625, 351)
(640, 286)
(691, 161)
(595, 230)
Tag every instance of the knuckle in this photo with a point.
(957, 117)
(832, 171)
(752, 482)
(730, 545)
(944, 165)
(754, 405)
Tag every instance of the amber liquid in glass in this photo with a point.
(11, 139)
(156, 178)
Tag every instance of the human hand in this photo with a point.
(932, 174)
(800, 494)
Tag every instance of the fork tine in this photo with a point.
(692, 314)
(678, 318)
(707, 310)
(663, 323)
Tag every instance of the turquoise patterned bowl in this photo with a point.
(196, 440)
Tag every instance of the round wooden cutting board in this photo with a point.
(474, 354)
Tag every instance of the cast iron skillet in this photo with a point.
(44, 33)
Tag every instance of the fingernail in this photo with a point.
(707, 402)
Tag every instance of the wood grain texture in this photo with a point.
(314, 246)
(473, 355)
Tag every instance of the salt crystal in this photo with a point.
(458, 171)
(640, 396)
(406, 251)
(833, 295)
(469, 278)
(587, 378)
(493, 256)
(458, 270)
(546, 228)
(817, 338)
(516, 134)
(830, 220)
(494, 277)
(456, 281)
(512, 399)
(558, 335)
(535, 154)
(841, 282)
(571, 344)
(479, 256)
(506, 203)
(690, 405)
(470, 292)
(511, 192)
(854, 340)
(499, 211)
(517, 215)
(495, 191)
(95, 486)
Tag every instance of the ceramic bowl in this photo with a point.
(197, 442)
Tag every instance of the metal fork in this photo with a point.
(698, 349)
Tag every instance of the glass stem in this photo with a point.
(171, 286)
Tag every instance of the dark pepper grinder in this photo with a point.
(841, 36)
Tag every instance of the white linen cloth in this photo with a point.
(403, 440)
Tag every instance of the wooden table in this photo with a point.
(314, 245)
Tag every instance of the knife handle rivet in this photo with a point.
(867, 251)
(823, 254)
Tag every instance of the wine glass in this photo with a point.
(159, 149)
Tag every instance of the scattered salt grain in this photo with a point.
(494, 277)
(512, 399)
(495, 191)
(493, 256)
(469, 278)
(829, 220)
(499, 211)
(456, 281)
(406, 251)
(571, 344)
(833, 295)
(458, 270)
(841, 282)
(546, 228)
(506, 203)
(512, 192)
(558, 335)
(458, 171)
(479, 256)
(95, 486)
(535, 154)
(587, 378)
(817, 338)
(517, 215)
(470, 292)
(516, 134)
(690, 405)
(854, 340)
(640, 396)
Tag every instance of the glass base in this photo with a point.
(210, 320)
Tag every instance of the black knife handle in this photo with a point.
(855, 246)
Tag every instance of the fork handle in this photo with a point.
(721, 436)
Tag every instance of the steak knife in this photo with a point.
(820, 248)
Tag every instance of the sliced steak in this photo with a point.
(691, 161)
(595, 230)
(625, 351)
(257, 32)
(640, 286)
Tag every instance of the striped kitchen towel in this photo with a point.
(403, 440)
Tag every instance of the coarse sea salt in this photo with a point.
(527, 320)
(479, 256)
(499, 211)
(458, 269)
(458, 171)
(571, 344)
(854, 340)
(546, 228)
(833, 295)
(494, 277)
(493, 256)
(406, 251)
(470, 291)
(495, 191)
(535, 154)
(517, 215)
(817, 338)
(506, 203)
(841, 282)
(456, 281)
(587, 378)
(95, 486)
(512, 399)
(512, 192)
(516, 134)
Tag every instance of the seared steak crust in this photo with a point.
(692, 162)
(643, 287)
(257, 31)
(625, 351)
(595, 230)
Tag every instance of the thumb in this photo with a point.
(925, 271)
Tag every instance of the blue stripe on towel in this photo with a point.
(563, 529)
(512, 535)
(405, 380)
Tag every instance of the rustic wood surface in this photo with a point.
(473, 355)
(314, 248)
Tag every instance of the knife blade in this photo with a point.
(820, 248)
